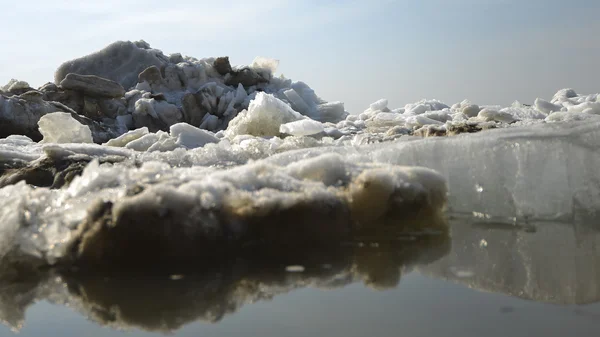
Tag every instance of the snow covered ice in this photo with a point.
(217, 156)
(317, 199)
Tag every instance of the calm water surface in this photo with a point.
(497, 279)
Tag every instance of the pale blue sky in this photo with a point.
(491, 52)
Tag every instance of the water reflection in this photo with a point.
(157, 301)
(537, 260)
(545, 261)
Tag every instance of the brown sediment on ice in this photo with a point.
(157, 224)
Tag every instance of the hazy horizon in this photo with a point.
(491, 52)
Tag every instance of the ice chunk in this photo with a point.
(386, 119)
(128, 137)
(167, 112)
(388, 116)
(191, 137)
(333, 132)
(160, 111)
(14, 85)
(440, 116)
(307, 94)
(143, 107)
(523, 113)
(587, 107)
(161, 83)
(545, 106)
(240, 94)
(360, 124)
(165, 143)
(564, 116)
(420, 120)
(318, 199)
(17, 150)
(542, 170)
(124, 123)
(92, 85)
(408, 185)
(209, 122)
(121, 62)
(331, 112)
(20, 115)
(83, 150)
(10, 213)
(263, 117)
(563, 95)
(379, 105)
(61, 127)
(328, 168)
(145, 142)
(297, 102)
(16, 140)
(423, 106)
(471, 110)
(490, 114)
(305, 127)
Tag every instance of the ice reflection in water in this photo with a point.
(157, 301)
(557, 262)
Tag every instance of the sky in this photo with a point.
(487, 51)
